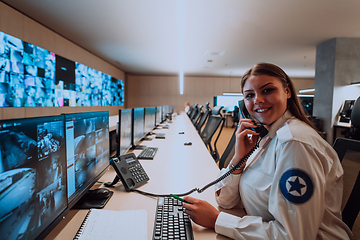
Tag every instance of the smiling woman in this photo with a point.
(293, 176)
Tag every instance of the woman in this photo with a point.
(291, 186)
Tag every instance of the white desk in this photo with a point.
(175, 169)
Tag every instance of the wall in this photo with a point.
(337, 66)
(18, 25)
(145, 91)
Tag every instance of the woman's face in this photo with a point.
(265, 98)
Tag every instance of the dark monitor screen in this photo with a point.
(149, 119)
(124, 130)
(307, 104)
(87, 151)
(158, 119)
(138, 124)
(33, 195)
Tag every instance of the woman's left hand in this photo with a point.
(201, 212)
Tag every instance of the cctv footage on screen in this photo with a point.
(32, 175)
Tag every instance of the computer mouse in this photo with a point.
(99, 193)
(188, 143)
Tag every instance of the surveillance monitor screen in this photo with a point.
(32, 176)
(31, 76)
(149, 119)
(138, 124)
(124, 130)
(87, 151)
(158, 119)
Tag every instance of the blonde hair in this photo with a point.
(293, 103)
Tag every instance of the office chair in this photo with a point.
(235, 116)
(349, 149)
(354, 132)
(204, 117)
(194, 111)
(198, 115)
(214, 122)
(190, 111)
(229, 151)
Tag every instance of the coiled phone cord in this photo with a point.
(222, 177)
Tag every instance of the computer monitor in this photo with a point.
(158, 118)
(307, 102)
(33, 195)
(138, 122)
(228, 102)
(87, 151)
(124, 132)
(149, 119)
(163, 113)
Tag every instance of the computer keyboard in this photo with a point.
(171, 222)
(148, 153)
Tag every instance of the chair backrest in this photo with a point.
(198, 115)
(203, 118)
(348, 151)
(217, 110)
(194, 112)
(355, 114)
(229, 152)
(212, 125)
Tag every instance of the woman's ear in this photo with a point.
(287, 91)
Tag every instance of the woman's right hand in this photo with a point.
(244, 143)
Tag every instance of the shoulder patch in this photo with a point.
(296, 186)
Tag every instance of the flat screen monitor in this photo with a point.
(33, 195)
(87, 151)
(228, 102)
(158, 118)
(307, 103)
(138, 125)
(149, 119)
(163, 113)
(124, 131)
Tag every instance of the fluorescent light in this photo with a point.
(305, 95)
(181, 81)
(307, 90)
(232, 94)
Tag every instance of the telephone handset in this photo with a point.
(245, 114)
(129, 171)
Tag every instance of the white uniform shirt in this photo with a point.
(291, 188)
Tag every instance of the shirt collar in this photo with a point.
(278, 124)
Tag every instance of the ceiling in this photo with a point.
(199, 37)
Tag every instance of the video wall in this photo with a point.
(31, 76)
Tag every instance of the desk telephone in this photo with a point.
(129, 171)
(132, 175)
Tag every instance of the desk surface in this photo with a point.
(175, 169)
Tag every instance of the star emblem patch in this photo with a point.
(296, 186)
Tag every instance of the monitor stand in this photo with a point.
(96, 198)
